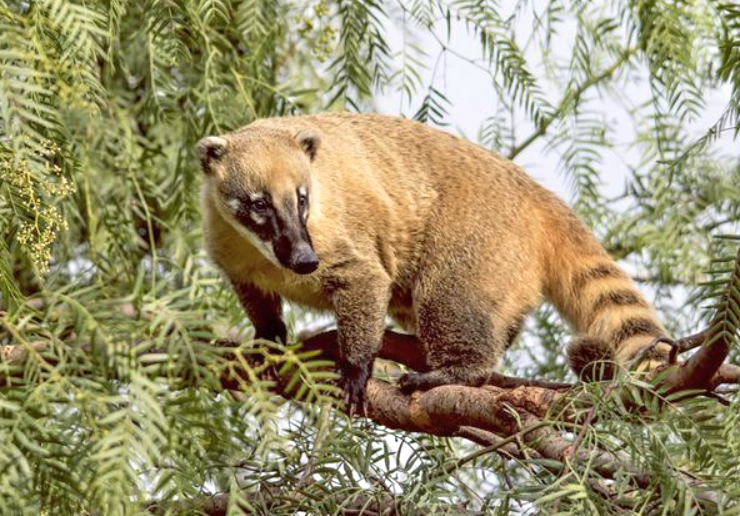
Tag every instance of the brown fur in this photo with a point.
(455, 242)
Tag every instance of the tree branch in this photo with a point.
(348, 504)
(569, 98)
(488, 415)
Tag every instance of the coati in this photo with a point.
(369, 215)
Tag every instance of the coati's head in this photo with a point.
(260, 180)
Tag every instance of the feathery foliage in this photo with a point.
(104, 283)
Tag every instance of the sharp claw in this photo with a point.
(353, 383)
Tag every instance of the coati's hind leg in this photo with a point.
(462, 337)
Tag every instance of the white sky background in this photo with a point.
(473, 100)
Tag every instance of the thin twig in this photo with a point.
(692, 341)
(494, 447)
(321, 433)
(565, 102)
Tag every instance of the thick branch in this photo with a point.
(409, 351)
(348, 504)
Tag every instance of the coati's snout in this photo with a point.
(292, 243)
(299, 257)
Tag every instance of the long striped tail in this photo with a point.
(613, 320)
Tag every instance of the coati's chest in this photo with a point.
(303, 290)
(244, 263)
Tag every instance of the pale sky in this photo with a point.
(472, 101)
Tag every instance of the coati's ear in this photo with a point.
(309, 142)
(210, 149)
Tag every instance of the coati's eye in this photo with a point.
(302, 201)
(259, 205)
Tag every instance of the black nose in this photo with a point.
(305, 262)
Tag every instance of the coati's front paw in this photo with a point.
(354, 383)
